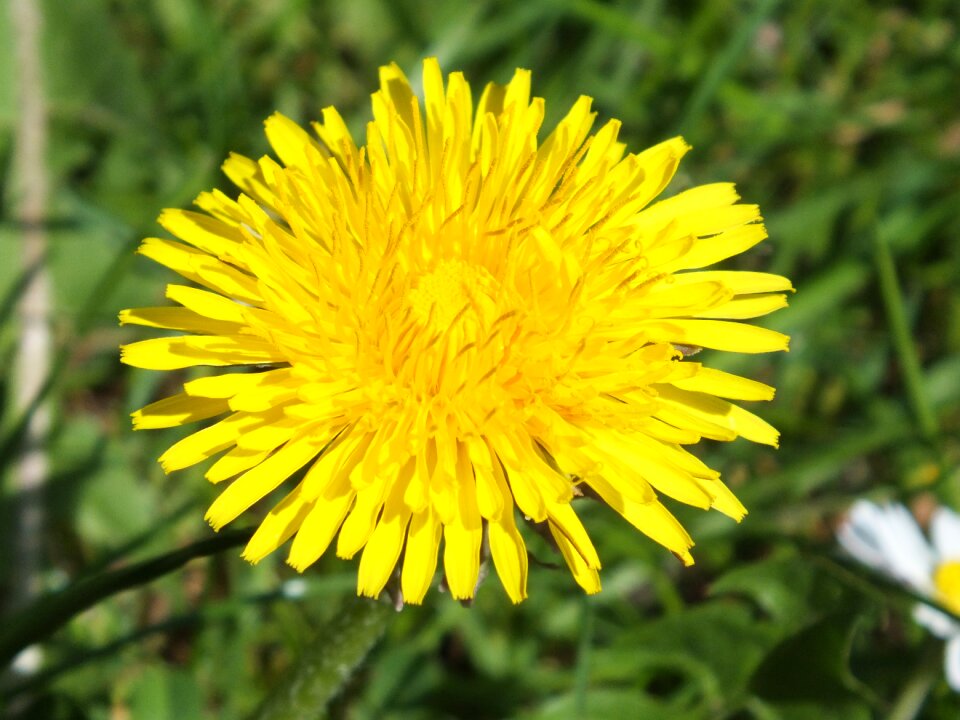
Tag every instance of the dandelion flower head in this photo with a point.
(455, 327)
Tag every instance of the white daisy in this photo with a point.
(888, 539)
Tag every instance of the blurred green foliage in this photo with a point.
(842, 120)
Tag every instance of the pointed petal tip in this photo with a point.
(274, 117)
(215, 521)
(296, 564)
(516, 594)
(164, 217)
(367, 592)
(682, 146)
(414, 599)
(232, 159)
(250, 557)
(737, 513)
(136, 419)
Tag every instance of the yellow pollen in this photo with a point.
(441, 294)
(946, 578)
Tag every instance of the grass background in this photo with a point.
(841, 119)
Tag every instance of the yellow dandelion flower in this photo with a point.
(452, 324)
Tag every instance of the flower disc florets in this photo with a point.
(454, 322)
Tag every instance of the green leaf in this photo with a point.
(164, 693)
(789, 589)
(812, 668)
(692, 659)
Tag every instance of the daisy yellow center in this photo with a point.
(946, 580)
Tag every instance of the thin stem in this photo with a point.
(581, 680)
(41, 618)
(914, 693)
(903, 344)
(328, 662)
(908, 358)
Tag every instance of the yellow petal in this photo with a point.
(278, 526)
(420, 558)
(396, 89)
(707, 251)
(654, 463)
(233, 463)
(227, 280)
(725, 385)
(174, 255)
(587, 577)
(359, 524)
(223, 208)
(509, 556)
(202, 231)
(724, 500)
(719, 412)
(174, 353)
(740, 282)
(462, 538)
(247, 175)
(565, 520)
(264, 397)
(717, 334)
(270, 435)
(229, 384)
(461, 559)
(202, 269)
(318, 529)
(491, 500)
(262, 479)
(177, 410)
(177, 318)
(205, 303)
(683, 204)
(382, 550)
(659, 164)
(335, 135)
(650, 518)
(207, 442)
(289, 141)
(744, 308)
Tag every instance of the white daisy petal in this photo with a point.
(887, 538)
(910, 556)
(945, 533)
(937, 622)
(859, 535)
(951, 662)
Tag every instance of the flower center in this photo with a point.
(946, 579)
(452, 286)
